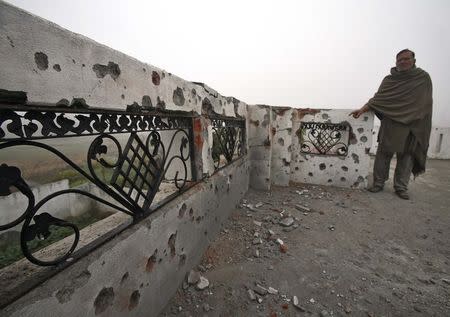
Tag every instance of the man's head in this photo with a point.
(405, 60)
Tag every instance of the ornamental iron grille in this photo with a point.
(324, 138)
(128, 155)
(228, 141)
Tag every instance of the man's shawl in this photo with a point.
(406, 98)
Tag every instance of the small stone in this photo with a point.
(324, 313)
(279, 241)
(260, 290)
(193, 277)
(295, 302)
(417, 309)
(202, 284)
(256, 234)
(209, 266)
(271, 232)
(287, 222)
(251, 294)
(312, 300)
(225, 230)
(206, 307)
(331, 228)
(258, 223)
(270, 268)
(257, 241)
(348, 309)
(260, 204)
(302, 208)
(446, 280)
(259, 300)
(272, 291)
(256, 253)
(180, 308)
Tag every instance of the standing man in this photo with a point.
(404, 105)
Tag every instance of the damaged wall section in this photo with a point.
(288, 161)
(137, 272)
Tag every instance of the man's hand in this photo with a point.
(357, 113)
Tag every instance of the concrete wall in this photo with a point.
(260, 145)
(55, 66)
(275, 148)
(139, 271)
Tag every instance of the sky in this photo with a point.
(317, 53)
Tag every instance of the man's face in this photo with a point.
(405, 61)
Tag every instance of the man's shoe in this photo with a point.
(375, 189)
(403, 194)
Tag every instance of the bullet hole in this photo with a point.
(205, 233)
(296, 168)
(83, 65)
(207, 108)
(285, 162)
(178, 97)
(325, 116)
(41, 60)
(330, 180)
(163, 75)
(254, 122)
(230, 176)
(156, 80)
(216, 190)
(281, 141)
(198, 219)
(355, 158)
(343, 179)
(79, 103)
(367, 150)
(366, 118)
(141, 285)
(360, 179)
(352, 138)
(356, 170)
(193, 92)
(134, 300)
(160, 104)
(124, 87)
(344, 168)
(310, 174)
(103, 263)
(146, 102)
(267, 141)
(122, 96)
(363, 139)
(360, 130)
(124, 278)
(63, 103)
(322, 166)
(111, 69)
(144, 70)
(182, 260)
(73, 61)
(10, 41)
(103, 300)
(151, 262)
(57, 67)
(266, 120)
(182, 211)
(171, 243)
(191, 214)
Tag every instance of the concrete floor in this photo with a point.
(353, 254)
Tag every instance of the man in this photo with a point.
(404, 105)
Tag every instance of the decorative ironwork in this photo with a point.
(137, 170)
(228, 141)
(324, 138)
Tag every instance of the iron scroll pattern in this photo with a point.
(324, 138)
(136, 173)
(228, 141)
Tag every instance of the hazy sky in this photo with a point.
(329, 54)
